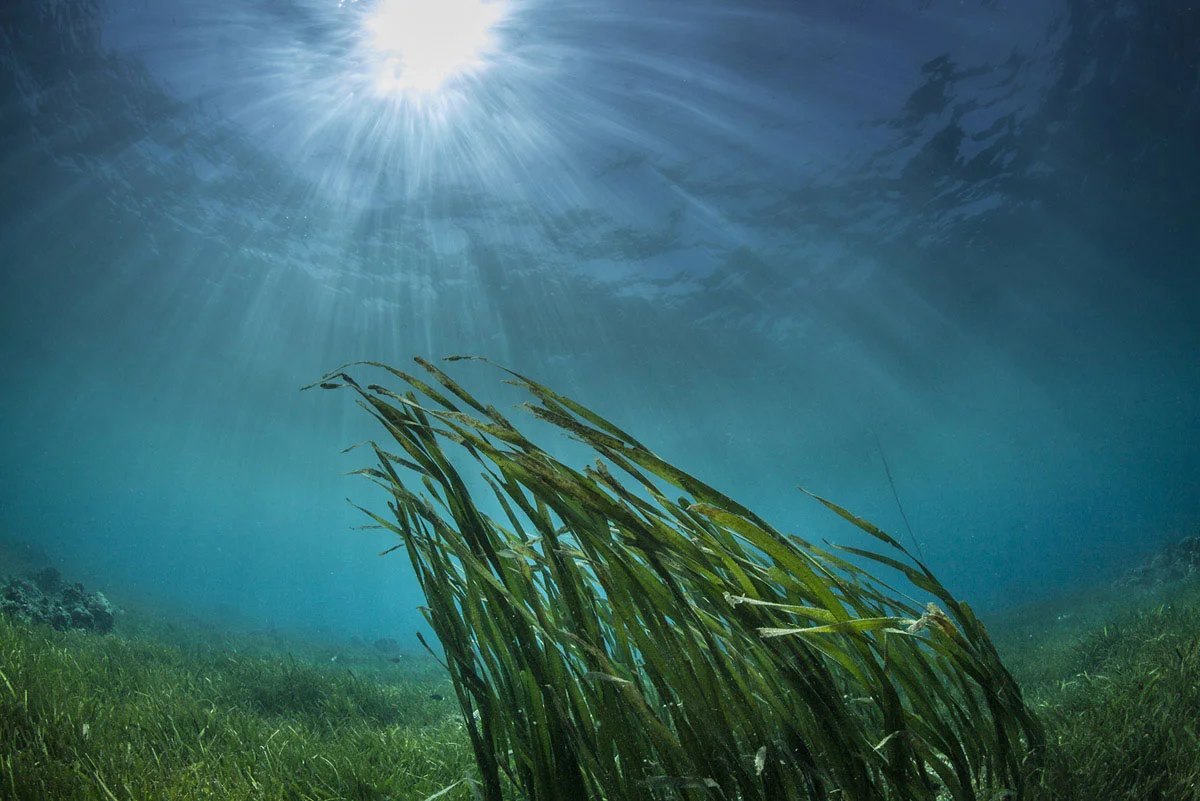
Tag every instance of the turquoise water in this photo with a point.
(777, 241)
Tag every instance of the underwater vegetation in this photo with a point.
(167, 711)
(176, 713)
(627, 631)
(1116, 681)
(162, 710)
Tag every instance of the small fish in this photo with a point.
(437, 696)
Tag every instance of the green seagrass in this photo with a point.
(626, 631)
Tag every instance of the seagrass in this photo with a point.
(623, 630)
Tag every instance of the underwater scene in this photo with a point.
(539, 400)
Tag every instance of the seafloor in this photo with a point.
(150, 707)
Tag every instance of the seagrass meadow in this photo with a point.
(620, 631)
(169, 710)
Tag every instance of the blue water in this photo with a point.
(769, 238)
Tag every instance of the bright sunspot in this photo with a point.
(423, 44)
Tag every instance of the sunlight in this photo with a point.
(423, 44)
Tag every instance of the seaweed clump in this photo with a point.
(628, 631)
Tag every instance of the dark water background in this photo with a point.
(758, 234)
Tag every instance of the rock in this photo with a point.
(103, 618)
(45, 598)
(389, 647)
(1174, 562)
(49, 580)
